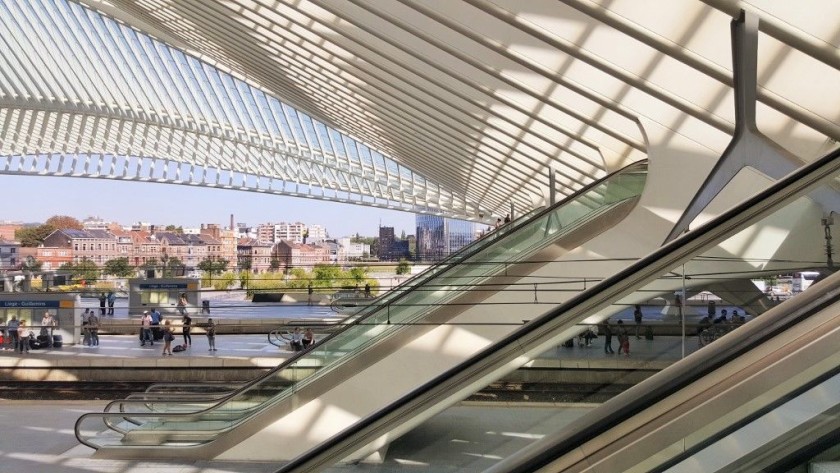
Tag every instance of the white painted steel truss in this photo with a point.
(82, 95)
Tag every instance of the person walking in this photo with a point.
(607, 329)
(637, 316)
(168, 336)
(102, 299)
(211, 334)
(182, 304)
(186, 326)
(623, 339)
(93, 329)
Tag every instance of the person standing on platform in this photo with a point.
(146, 330)
(102, 299)
(637, 316)
(168, 336)
(13, 328)
(24, 334)
(93, 329)
(623, 339)
(367, 291)
(309, 292)
(608, 349)
(157, 334)
(182, 304)
(48, 327)
(112, 298)
(85, 328)
(186, 325)
(211, 334)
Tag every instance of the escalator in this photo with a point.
(643, 279)
(765, 399)
(318, 392)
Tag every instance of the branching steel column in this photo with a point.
(748, 146)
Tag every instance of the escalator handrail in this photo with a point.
(529, 338)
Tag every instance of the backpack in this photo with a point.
(179, 348)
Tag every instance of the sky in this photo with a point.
(35, 199)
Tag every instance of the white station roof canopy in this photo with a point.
(478, 99)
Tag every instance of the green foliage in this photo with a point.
(213, 266)
(119, 267)
(403, 267)
(245, 264)
(31, 264)
(244, 279)
(326, 274)
(358, 274)
(83, 270)
(224, 281)
(32, 237)
(172, 266)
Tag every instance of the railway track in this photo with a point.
(496, 392)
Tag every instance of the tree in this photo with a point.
(210, 265)
(118, 267)
(84, 269)
(358, 274)
(326, 274)
(172, 266)
(32, 237)
(31, 264)
(64, 222)
(174, 229)
(403, 267)
(244, 264)
(274, 264)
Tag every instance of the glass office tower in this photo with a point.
(438, 237)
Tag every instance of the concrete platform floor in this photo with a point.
(37, 437)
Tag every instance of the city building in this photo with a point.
(8, 229)
(99, 246)
(254, 255)
(293, 232)
(10, 257)
(299, 255)
(352, 251)
(385, 251)
(438, 237)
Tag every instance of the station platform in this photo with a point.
(242, 357)
(463, 438)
